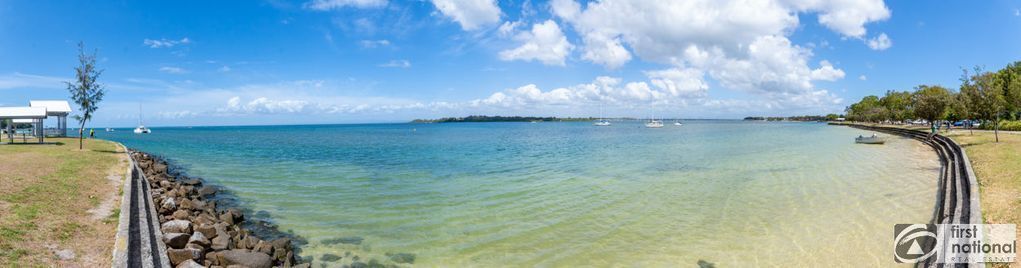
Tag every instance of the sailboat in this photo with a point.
(141, 129)
(653, 123)
(602, 122)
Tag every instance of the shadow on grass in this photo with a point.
(33, 143)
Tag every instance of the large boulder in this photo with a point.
(264, 247)
(199, 238)
(189, 264)
(206, 229)
(181, 214)
(198, 204)
(281, 244)
(207, 190)
(185, 203)
(175, 240)
(214, 257)
(176, 226)
(177, 256)
(247, 258)
(249, 242)
(168, 204)
(221, 242)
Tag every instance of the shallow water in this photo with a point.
(731, 193)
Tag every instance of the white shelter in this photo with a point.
(35, 114)
(58, 108)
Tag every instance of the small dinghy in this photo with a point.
(874, 139)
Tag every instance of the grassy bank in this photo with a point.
(58, 205)
(998, 167)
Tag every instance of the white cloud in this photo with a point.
(471, 14)
(566, 9)
(173, 70)
(863, 77)
(743, 45)
(881, 42)
(224, 69)
(773, 68)
(165, 43)
(508, 28)
(20, 80)
(669, 86)
(827, 72)
(1017, 12)
(267, 106)
(847, 17)
(374, 43)
(606, 51)
(680, 81)
(323, 5)
(396, 64)
(546, 43)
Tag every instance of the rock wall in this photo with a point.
(200, 234)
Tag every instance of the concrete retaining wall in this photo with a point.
(139, 241)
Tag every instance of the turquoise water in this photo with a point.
(732, 193)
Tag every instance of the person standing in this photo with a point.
(92, 133)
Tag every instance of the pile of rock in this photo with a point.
(197, 234)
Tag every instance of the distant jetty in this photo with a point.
(486, 118)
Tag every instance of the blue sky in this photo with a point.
(354, 61)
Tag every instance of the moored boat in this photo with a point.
(654, 124)
(874, 139)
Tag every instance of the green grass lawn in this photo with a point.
(45, 202)
(998, 167)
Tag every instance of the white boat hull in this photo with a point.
(870, 140)
(654, 124)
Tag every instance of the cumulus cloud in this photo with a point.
(565, 9)
(546, 43)
(827, 72)
(323, 5)
(173, 70)
(686, 82)
(396, 64)
(881, 42)
(165, 43)
(664, 87)
(863, 77)
(471, 14)
(265, 105)
(743, 45)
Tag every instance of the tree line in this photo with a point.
(984, 96)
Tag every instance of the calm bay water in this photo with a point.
(731, 193)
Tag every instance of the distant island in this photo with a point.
(486, 118)
(803, 118)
